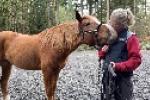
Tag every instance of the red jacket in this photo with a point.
(134, 55)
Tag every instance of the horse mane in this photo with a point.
(60, 37)
(92, 18)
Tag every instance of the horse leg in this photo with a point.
(6, 70)
(50, 80)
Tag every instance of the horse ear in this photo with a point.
(78, 16)
(99, 26)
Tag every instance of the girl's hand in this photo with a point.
(113, 65)
(105, 48)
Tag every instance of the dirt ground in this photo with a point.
(79, 80)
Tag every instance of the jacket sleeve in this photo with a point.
(134, 56)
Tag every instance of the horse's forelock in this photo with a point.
(113, 33)
(111, 29)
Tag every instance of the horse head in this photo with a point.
(87, 26)
(106, 35)
(93, 32)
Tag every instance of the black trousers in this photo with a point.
(123, 89)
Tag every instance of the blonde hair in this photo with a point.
(124, 17)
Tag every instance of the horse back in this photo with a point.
(21, 50)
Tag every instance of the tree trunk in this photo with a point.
(51, 12)
(90, 3)
(108, 9)
(82, 6)
(145, 7)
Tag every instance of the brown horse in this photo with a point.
(46, 51)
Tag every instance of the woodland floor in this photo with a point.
(77, 81)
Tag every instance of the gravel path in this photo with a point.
(77, 81)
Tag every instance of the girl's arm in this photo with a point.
(134, 56)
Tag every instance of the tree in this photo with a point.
(33, 16)
(108, 9)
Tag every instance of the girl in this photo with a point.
(124, 54)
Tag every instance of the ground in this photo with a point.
(79, 80)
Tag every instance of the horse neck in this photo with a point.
(64, 37)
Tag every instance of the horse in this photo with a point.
(46, 51)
